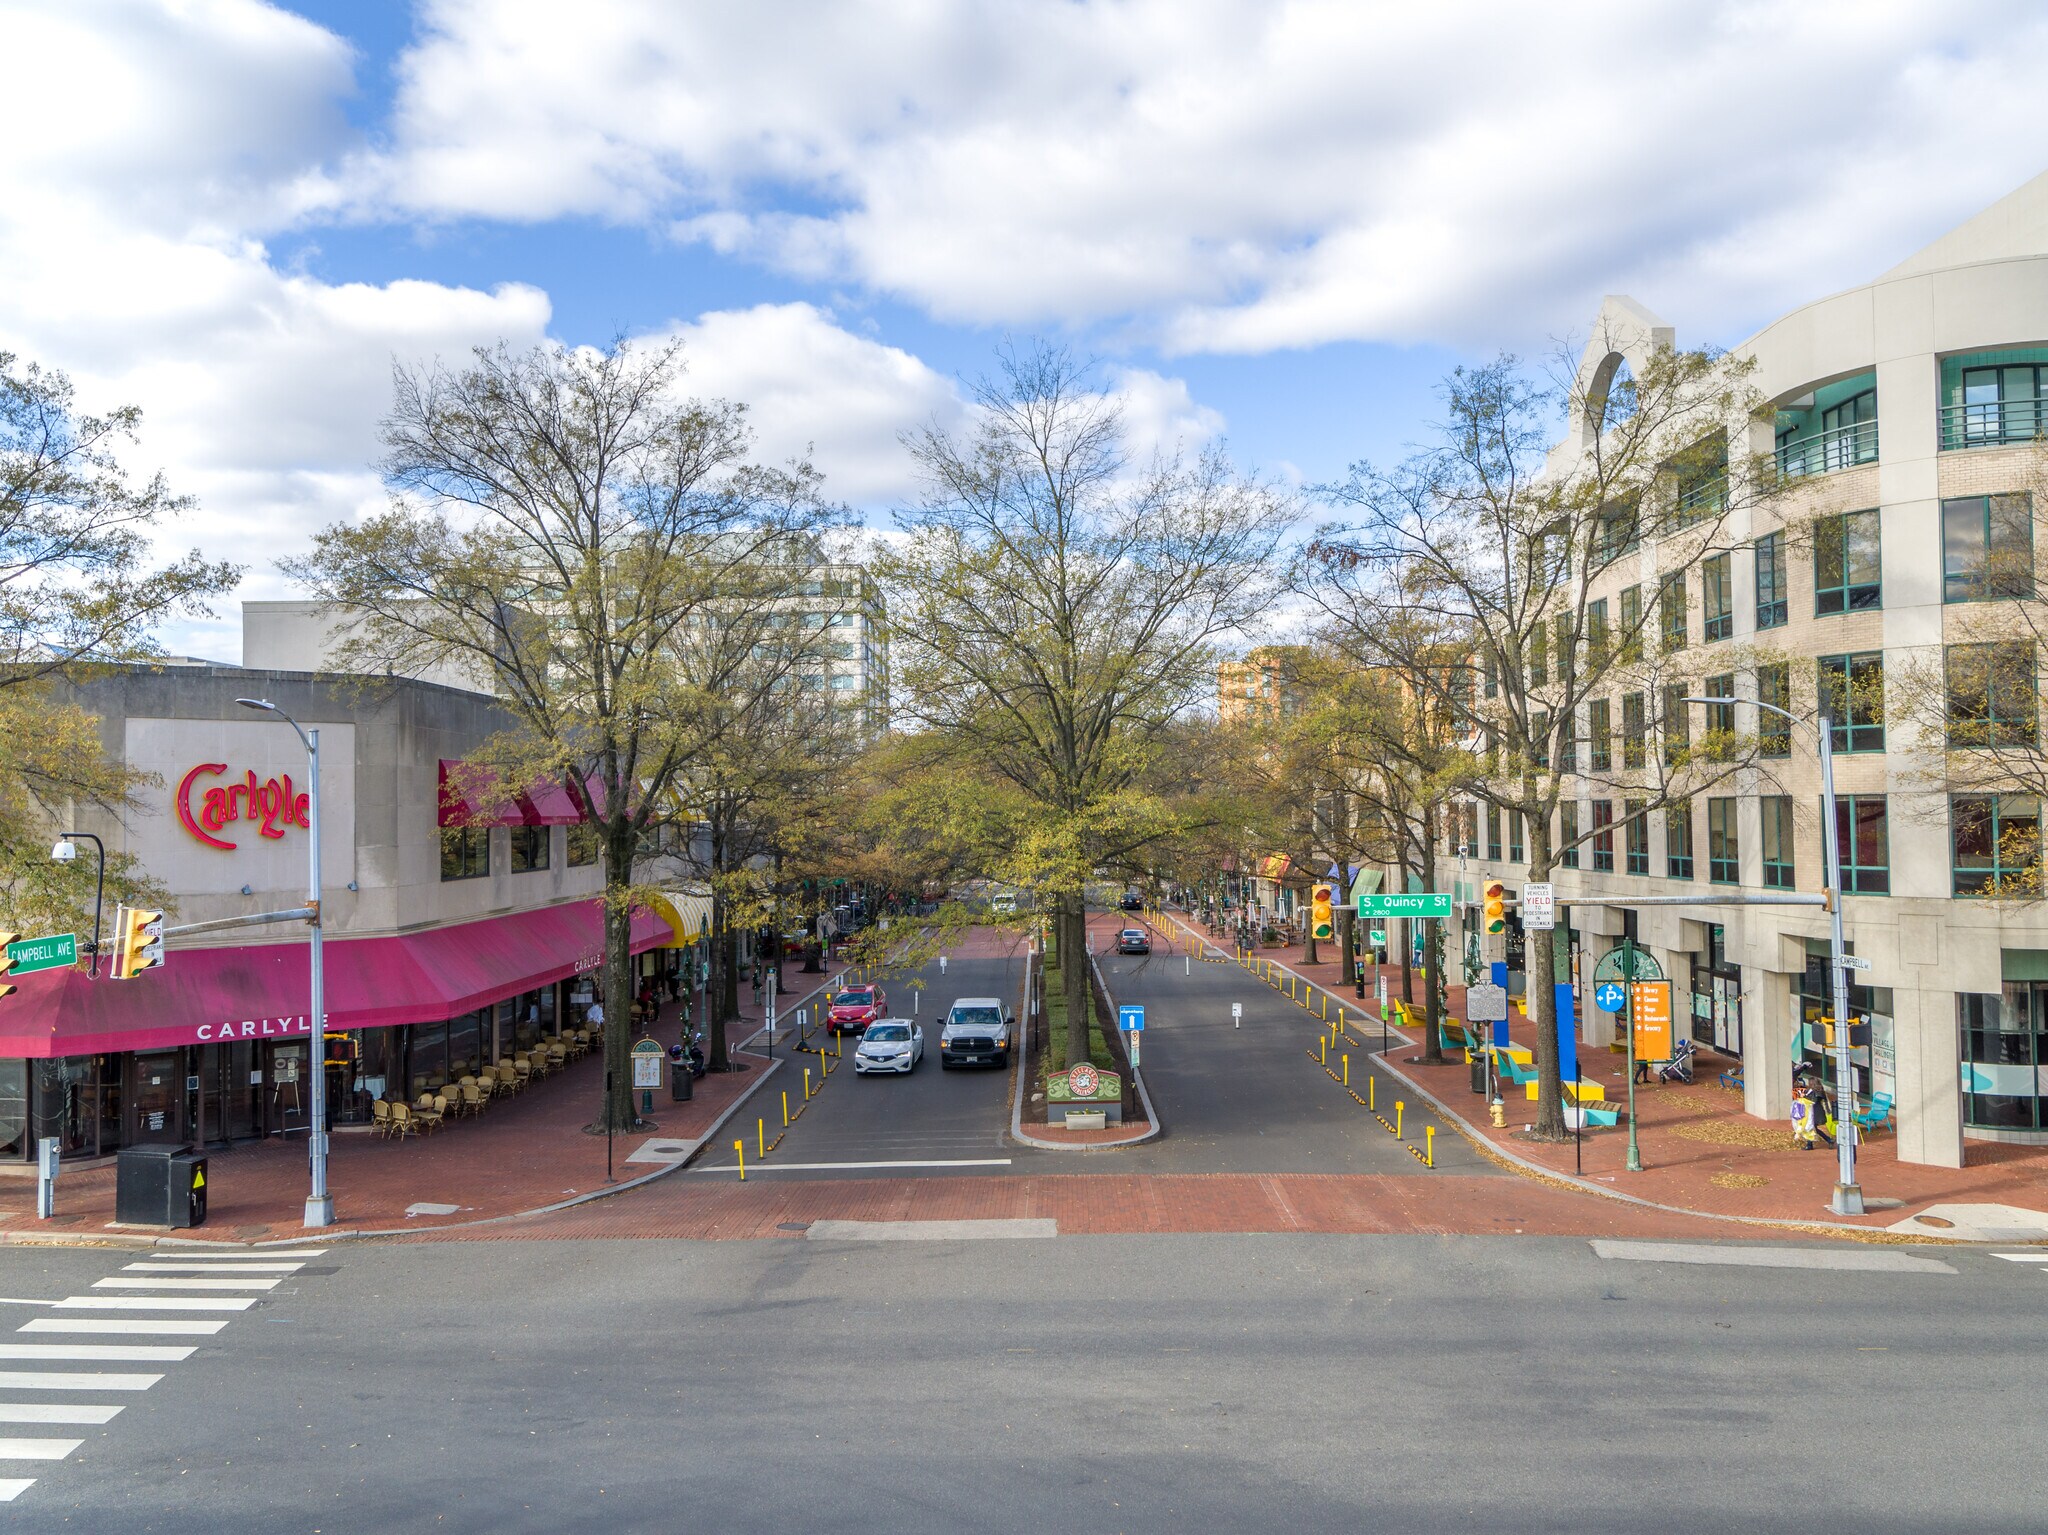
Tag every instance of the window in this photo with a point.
(845, 682)
(1717, 598)
(1472, 830)
(1987, 548)
(1774, 731)
(1994, 405)
(465, 852)
(1638, 833)
(1615, 533)
(1539, 738)
(1517, 853)
(1677, 723)
(1721, 717)
(1770, 581)
(1631, 623)
(1568, 834)
(1633, 730)
(1724, 852)
(1600, 733)
(1678, 839)
(1568, 743)
(1865, 842)
(1539, 655)
(1847, 563)
(1493, 832)
(1596, 632)
(1561, 640)
(1852, 694)
(1995, 842)
(582, 845)
(1992, 696)
(1671, 611)
(530, 847)
(1777, 828)
(1844, 431)
(1492, 674)
(1603, 836)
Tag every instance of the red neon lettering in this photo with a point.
(182, 803)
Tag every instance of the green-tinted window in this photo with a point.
(1677, 722)
(1721, 717)
(1777, 841)
(530, 848)
(465, 852)
(1863, 833)
(1993, 695)
(1600, 735)
(1995, 843)
(1603, 836)
(1516, 848)
(1993, 398)
(1774, 731)
(582, 845)
(1638, 832)
(1848, 563)
(1770, 581)
(1987, 547)
(1596, 631)
(1852, 689)
(1678, 839)
(1493, 832)
(1717, 598)
(1633, 730)
(1724, 853)
(1671, 611)
(1538, 652)
(1568, 834)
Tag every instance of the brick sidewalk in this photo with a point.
(1700, 1151)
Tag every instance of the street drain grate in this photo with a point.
(793, 1226)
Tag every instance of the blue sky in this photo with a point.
(1275, 221)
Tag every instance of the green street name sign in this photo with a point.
(32, 954)
(1418, 905)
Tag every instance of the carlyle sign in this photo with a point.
(272, 804)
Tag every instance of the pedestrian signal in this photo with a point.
(138, 941)
(1319, 911)
(1496, 907)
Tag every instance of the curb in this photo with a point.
(1017, 1132)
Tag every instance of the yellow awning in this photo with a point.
(687, 913)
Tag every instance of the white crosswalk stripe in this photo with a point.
(157, 1284)
(2039, 1255)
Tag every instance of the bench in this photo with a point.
(1580, 1091)
(1507, 1066)
(1601, 1118)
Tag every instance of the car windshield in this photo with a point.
(889, 1033)
(976, 1017)
(853, 999)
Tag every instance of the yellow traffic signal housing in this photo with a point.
(6, 962)
(1319, 911)
(138, 941)
(1496, 907)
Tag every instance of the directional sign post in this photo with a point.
(1131, 1018)
(32, 954)
(1420, 905)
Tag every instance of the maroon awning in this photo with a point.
(464, 802)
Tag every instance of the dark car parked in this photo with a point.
(1133, 940)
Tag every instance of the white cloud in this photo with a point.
(1241, 175)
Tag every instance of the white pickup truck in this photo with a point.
(977, 1033)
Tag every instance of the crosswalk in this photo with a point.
(2038, 1256)
(58, 1365)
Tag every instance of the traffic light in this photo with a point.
(6, 961)
(1496, 907)
(1319, 911)
(138, 941)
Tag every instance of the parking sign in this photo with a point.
(1131, 1019)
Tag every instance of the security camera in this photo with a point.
(64, 852)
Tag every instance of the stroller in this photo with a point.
(1679, 1067)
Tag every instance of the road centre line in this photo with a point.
(1868, 1259)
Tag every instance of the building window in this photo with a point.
(1671, 611)
(1677, 723)
(1491, 670)
(1538, 653)
(530, 848)
(1864, 839)
(1774, 731)
(582, 845)
(1721, 717)
(1638, 836)
(1678, 839)
(1600, 734)
(1987, 406)
(1631, 645)
(1493, 832)
(1603, 836)
(1568, 743)
(1596, 632)
(1993, 698)
(1724, 851)
(1848, 563)
(1770, 581)
(1777, 829)
(2005, 1056)
(1568, 834)
(465, 852)
(1987, 547)
(1539, 738)
(1562, 642)
(1852, 691)
(1632, 730)
(1717, 598)
(1517, 853)
(1995, 844)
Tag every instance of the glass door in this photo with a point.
(159, 1097)
(233, 1106)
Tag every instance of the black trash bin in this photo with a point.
(1478, 1072)
(680, 1083)
(160, 1185)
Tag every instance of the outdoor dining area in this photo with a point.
(441, 1102)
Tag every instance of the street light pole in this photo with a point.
(319, 1203)
(64, 852)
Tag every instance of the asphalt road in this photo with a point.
(1158, 1383)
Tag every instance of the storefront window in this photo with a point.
(1870, 1064)
(429, 1060)
(2005, 1056)
(14, 1136)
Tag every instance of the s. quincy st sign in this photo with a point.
(272, 804)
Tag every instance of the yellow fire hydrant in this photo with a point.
(1500, 1115)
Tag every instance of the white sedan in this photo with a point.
(889, 1044)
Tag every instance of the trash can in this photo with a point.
(160, 1185)
(680, 1083)
(1478, 1073)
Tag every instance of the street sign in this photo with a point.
(1421, 904)
(1382, 989)
(1649, 1011)
(33, 954)
(1539, 906)
(1131, 1019)
(1609, 996)
(1849, 961)
(1378, 936)
(647, 1059)
(1236, 1011)
(1486, 1004)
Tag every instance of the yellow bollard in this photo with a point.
(740, 1149)
(1340, 1020)
(1372, 1092)
(1323, 1007)
(1429, 1146)
(807, 1084)
(785, 1108)
(761, 1136)
(1325, 1054)
(838, 1045)
(1347, 1071)
(1398, 1107)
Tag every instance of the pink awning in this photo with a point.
(463, 802)
(550, 804)
(258, 991)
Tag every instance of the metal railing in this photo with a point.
(1828, 450)
(1704, 499)
(1988, 424)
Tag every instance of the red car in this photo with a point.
(855, 1008)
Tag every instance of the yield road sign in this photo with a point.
(1609, 996)
(1421, 904)
(1539, 906)
(1131, 1019)
(33, 954)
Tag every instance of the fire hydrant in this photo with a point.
(1500, 1114)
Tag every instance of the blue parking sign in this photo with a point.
(1131, 1019)
(1610, 996)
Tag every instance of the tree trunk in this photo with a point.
(1433, 941)
(617, 1113)
(1073, 908)
(1541, 949)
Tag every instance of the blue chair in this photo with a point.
(1878, 1116)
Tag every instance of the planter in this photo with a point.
(1089, 1119)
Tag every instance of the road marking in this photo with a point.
(128, 1353)
(930, 1231)
(819, 1167)
(186, 1284)
(162, 1325)
(211, 1268)
(37, 1449)
(1881, 1260)
(2033, 1257)
(85, 1380)
(56, 1412)
(154, 1303)
(12, 1487)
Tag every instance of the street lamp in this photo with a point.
(64, 852)
(319, 1203)
(1848, 1196)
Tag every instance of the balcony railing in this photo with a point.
(1705, 499)
(1830, 449)
(1992, 422)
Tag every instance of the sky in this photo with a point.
(1274, 223)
